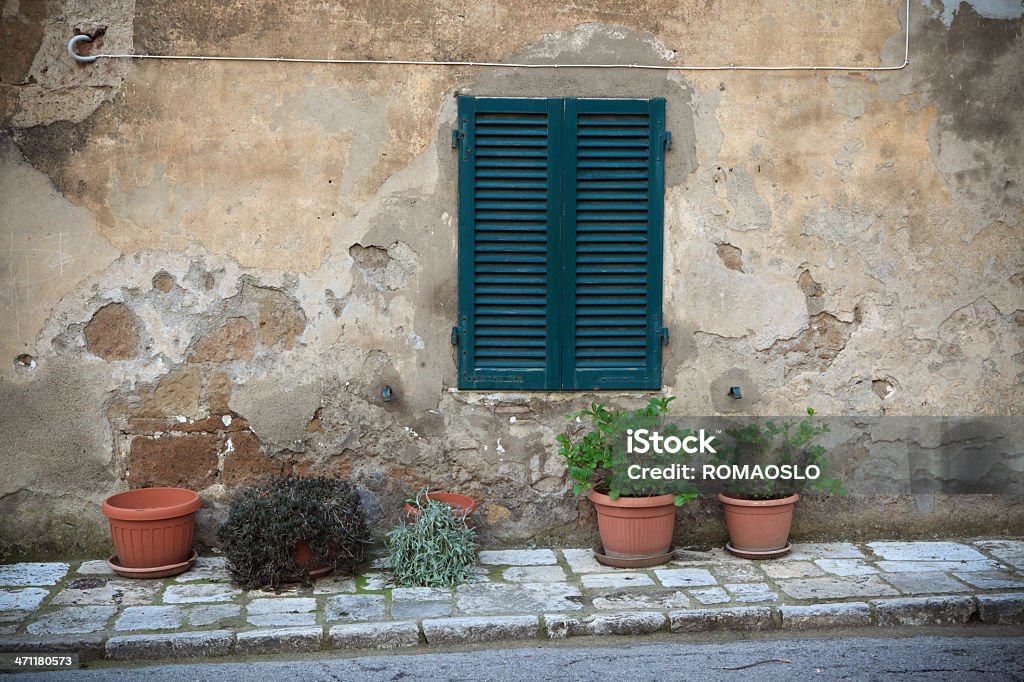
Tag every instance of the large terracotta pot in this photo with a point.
(459, 503)
(635, 527)
(152, 527)
(758, 526)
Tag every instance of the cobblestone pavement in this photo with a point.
(518, 594)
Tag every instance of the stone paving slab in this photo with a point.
(282, 611)
(197, 594)
(493, 598)
(1008, 551)
(150, 618)
(101, 590)
(201, 615)
(593, 580)
(32, 574)
(518, 557)
(206, 568)
(22, 600)
(72, 620)
(534, 593)
(837, 588)
(925, 551)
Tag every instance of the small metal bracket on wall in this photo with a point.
(664, 336)
(455, 336)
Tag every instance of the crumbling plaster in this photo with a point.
(283, 239)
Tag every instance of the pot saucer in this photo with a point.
(153, 572)
(315, 573)
(759, 554)
(632, 562)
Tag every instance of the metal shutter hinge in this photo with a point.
(664, 336)
(455, 336)
(456, 136)
(668, 140)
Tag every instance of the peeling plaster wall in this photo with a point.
(209, 271)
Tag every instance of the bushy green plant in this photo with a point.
(265, 523)
(436, 548)
(600, 459)
(778, 444)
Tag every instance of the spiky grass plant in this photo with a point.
(265, 523)
(437, 548)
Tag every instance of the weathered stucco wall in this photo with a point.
(210, 270)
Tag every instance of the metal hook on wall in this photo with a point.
(82, 59)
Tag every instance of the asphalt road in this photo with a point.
(838, 658)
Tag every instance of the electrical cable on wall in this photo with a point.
(410, 62)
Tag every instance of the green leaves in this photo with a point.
(436, 549)
(780, 444)
(599, 458)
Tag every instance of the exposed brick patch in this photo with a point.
(112, 333)
(235, 340)
(280, 320)
(176, 394)
(732, 256)
(245, 462)
(218, 392)
(185, 461)
(816, 347)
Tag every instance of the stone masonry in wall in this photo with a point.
(210, 271)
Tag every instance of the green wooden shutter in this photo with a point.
(509, 243)
(612, 259)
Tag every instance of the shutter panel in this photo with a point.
(509, 243)
(614, 204)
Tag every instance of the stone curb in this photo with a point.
(1006, 609)
(480, 629)
(849, 614)
(375, 635)
(279, 641)
(175, 645)
(997, 609)
(560, 626)
(925, 610)
(736, 618)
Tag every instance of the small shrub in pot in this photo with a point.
(266, 524)
(759, 509)
(436, 548)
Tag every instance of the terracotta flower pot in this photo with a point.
(635, 527)
(152, 527)
(458, 503)
(758, 526)
(303, 556)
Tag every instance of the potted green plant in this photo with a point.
(635, 517)
(292, 529)
(436, 548)
(765, 470)
(152, 530)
